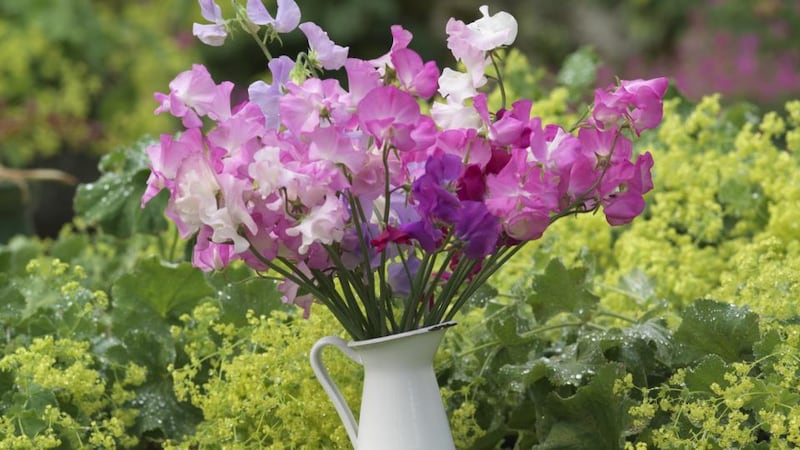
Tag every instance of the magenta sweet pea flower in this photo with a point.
(638, 101)
(330, 55)
(286, 19)
(627, 201)
(213, 34)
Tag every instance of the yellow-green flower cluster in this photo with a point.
(67, 398)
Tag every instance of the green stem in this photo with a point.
(499, 80)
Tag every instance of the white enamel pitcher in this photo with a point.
(401, 407)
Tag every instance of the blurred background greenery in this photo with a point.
(77, 76)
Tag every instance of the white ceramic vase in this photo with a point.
(401, 407)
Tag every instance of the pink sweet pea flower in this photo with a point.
(417, 78)
(166, 158)
(213, 34)
(286, 20)
(361, 79)
(330, 55)
(194, 94)
(400, 39)
(389, 114)
(208, 255)
(639, 101)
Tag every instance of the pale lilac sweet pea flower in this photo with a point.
(330, 55)
(213, 34)
(267, 96)
(286, 19)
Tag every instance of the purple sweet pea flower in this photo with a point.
(401, 276)
(213, 34)
(330, 55)
(286, 19)
(478, 228)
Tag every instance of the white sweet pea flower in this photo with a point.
(323, 224)
(455, 115)
(458, 86)
(490, 32)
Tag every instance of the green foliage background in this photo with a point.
(681, 330)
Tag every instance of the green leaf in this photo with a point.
(577, 363)
(167, 289)
(579, 70)
(239, 290)
(12, 304)
(160, 411)
(559, 290)
(505, 322)
(592, 418)
(638, 286)
(711, 327)
(711, 369)
(113, 202)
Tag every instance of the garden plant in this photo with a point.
(678, 330)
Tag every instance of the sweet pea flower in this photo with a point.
(286, 19)
(400, 39)
(478, 228)
(208, 255)
(329, 55)
(401, 275)
(194, 94)
(492, 31)
(213, 34)
(194, 199)
(323, 223)
(414, 76)
(267, 96)
(638, 101)
(389, 114)
(166, 158)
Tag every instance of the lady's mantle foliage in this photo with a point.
(358, 187)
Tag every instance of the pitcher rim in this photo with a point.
(391, 337)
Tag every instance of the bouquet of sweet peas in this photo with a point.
(356, 198)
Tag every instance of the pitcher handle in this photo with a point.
(345, 414)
